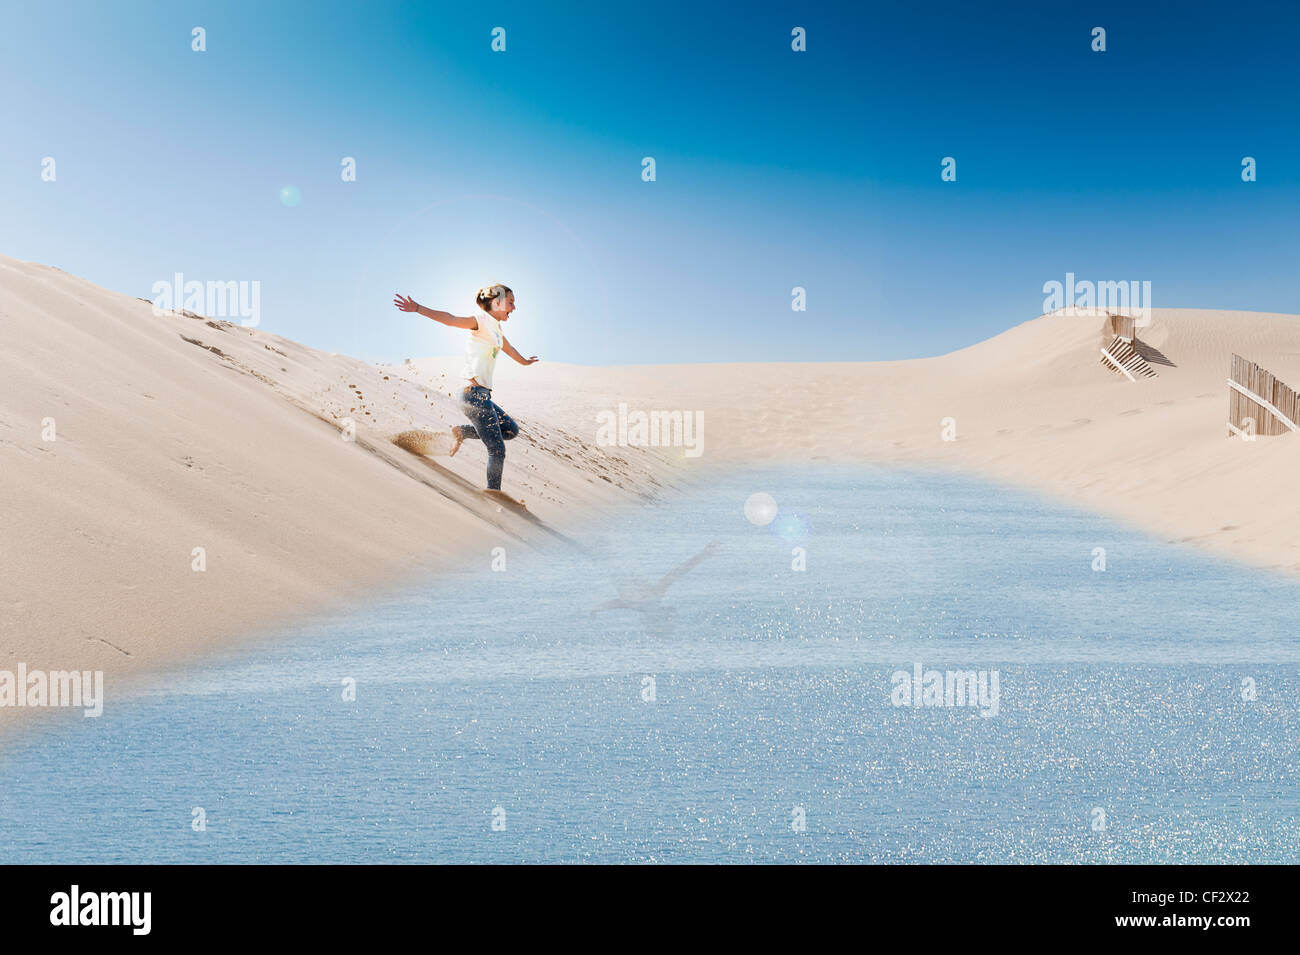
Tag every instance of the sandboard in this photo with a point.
(504, 501)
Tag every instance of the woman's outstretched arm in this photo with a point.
(411, 305)
(509, 349)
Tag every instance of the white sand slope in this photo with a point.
(175, 432)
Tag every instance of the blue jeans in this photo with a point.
(491, 425)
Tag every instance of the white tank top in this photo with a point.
(481, 350)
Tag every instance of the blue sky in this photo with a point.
(775, 169)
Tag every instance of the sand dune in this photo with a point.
(1033, 407)
(176, 432)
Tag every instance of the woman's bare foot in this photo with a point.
(458, 437)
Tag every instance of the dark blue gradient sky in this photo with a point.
(775, 169)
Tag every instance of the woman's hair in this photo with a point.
(486, 296)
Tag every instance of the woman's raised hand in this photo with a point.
(406, 304)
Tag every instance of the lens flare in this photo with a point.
(760, 509)
(791, 526)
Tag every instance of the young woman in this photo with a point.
(491, 425)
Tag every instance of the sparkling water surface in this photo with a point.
(1147, 712)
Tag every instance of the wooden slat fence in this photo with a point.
(1120, 356)
(1255, 394)
(1122, 326)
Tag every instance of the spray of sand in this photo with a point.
(424, 442)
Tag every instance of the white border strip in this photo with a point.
(1266, 405)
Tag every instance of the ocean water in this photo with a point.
(736, 709)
